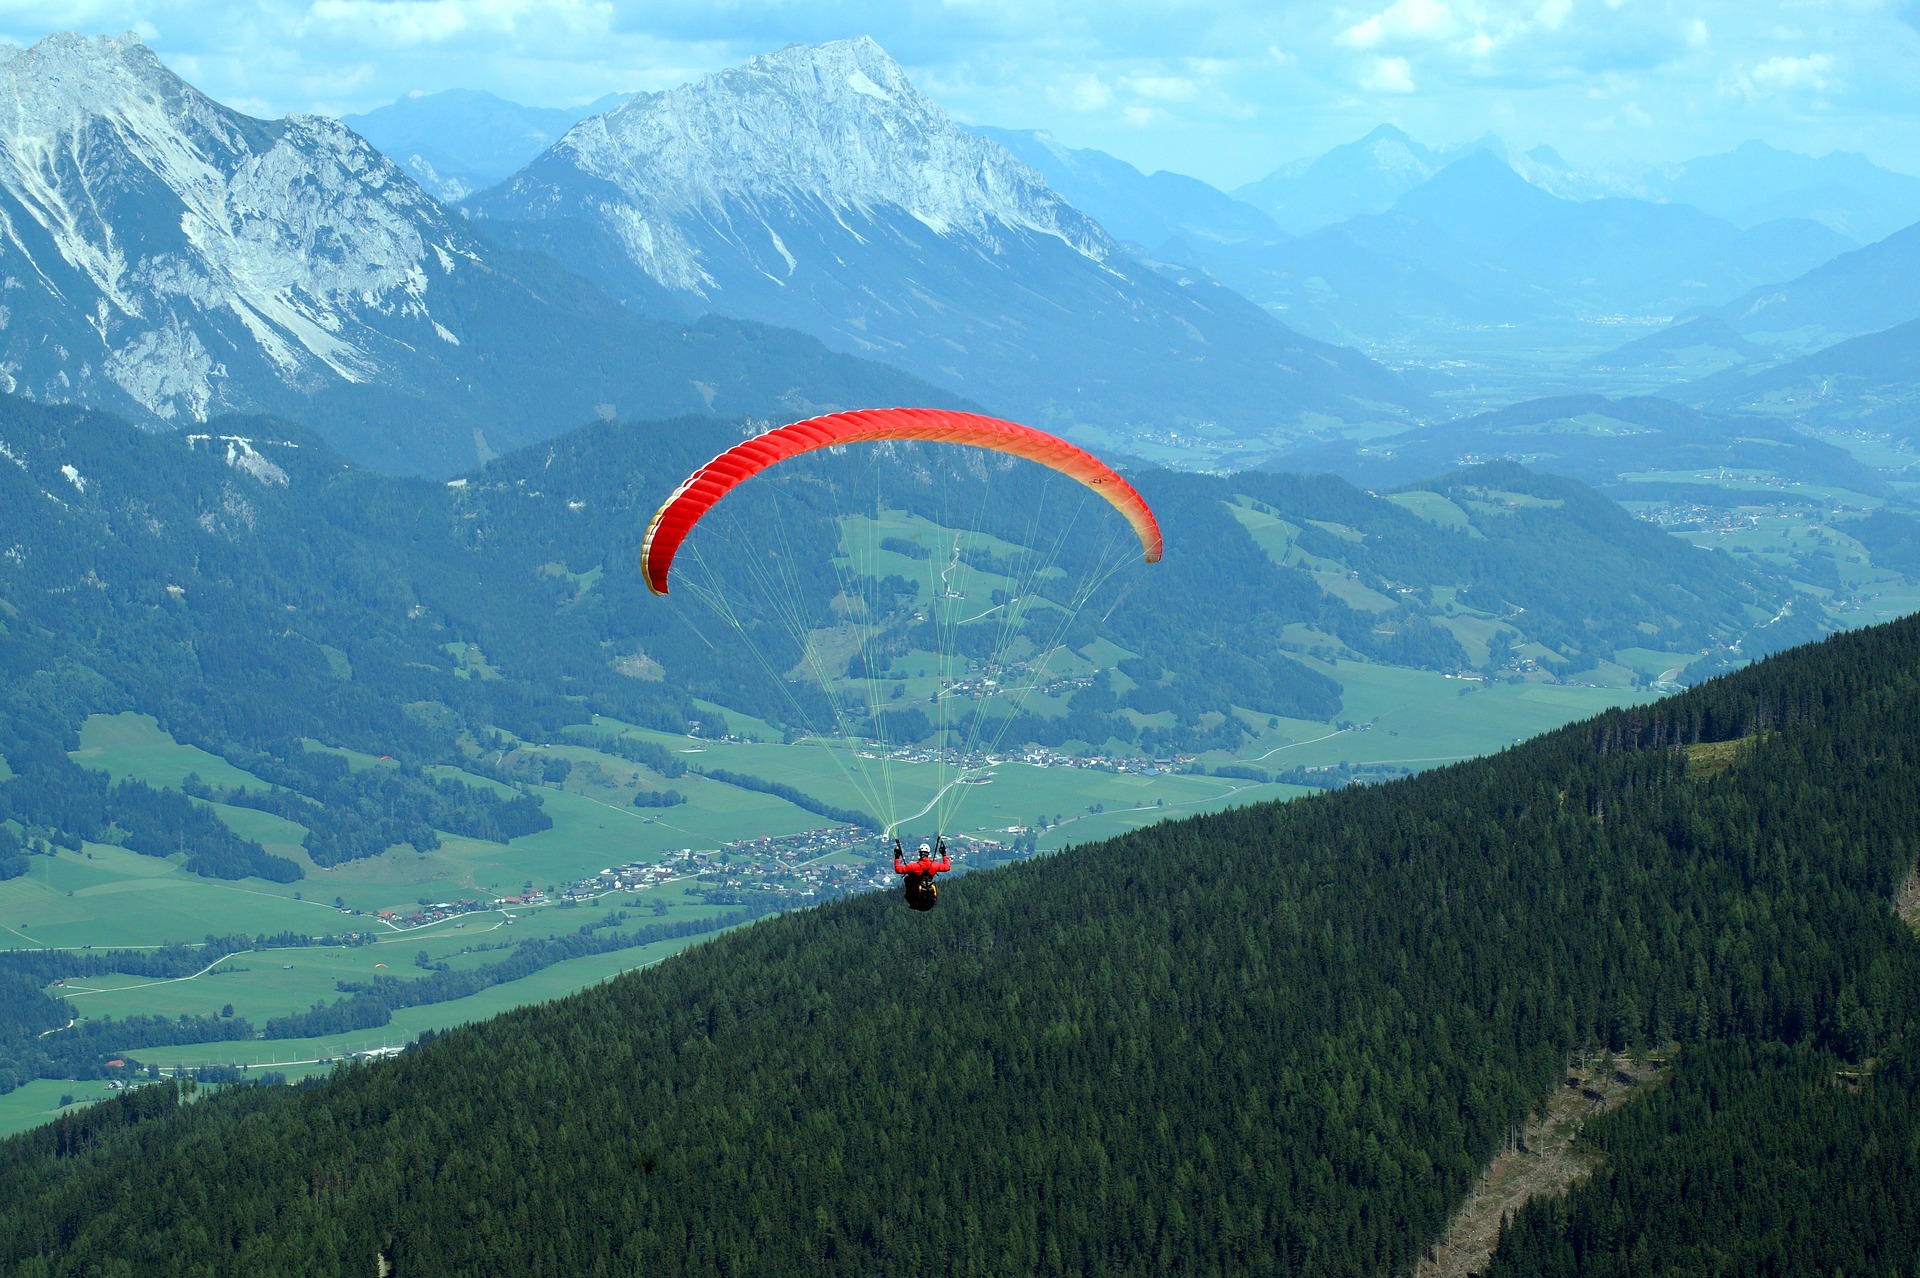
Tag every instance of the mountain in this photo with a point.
(1864, 383)
(1704, 340)
(173, 260)
(1757, 183)
(1124, 1057)
(1477, 245)
(1357, 178)
(1596, 440)
(458, 141)
(1145, 210)
(817, 188)
(1869, 289)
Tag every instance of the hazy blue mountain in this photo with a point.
(1871, 382)
(457, 141)
(173, 260)
(817, 188)
(1476, 244)
(1705, 340)
(1757, 183)
(1864, 291)
(1360, 177)
(1147, 210)
(1593, 439)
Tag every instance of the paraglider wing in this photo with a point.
(706, 486)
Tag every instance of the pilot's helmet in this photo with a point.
(926, 849)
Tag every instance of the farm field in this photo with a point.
(109, 897)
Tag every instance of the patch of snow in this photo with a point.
(857, 81)
(780, 247)
(12, 456)
(75, 478)
(457, 483)
(242, 456)
(446, 334)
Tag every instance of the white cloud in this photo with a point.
(1404, 20)
(1162, 88)
(1785, 74)
(1082, 93)
(406, 23)
(1388, 75)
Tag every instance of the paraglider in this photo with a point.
(916, 882)
(927, 596)
(706, 486)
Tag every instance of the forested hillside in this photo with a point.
(260, 596)
(1276, 1040)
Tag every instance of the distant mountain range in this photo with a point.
(1757, 183)
(1864, 291)
(173, 260)
(1148, 210)
(457, 141)
(1352, 180)
(1870, 382)
(1792, 338)
(1594, 439)
(1476, 245)
(818, 189)
(1752, 184)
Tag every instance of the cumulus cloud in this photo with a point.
(1785, 74)
(1404, 20)
(1388, 75)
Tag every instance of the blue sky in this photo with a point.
(1222, 89)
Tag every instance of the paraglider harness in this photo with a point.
(917, 883)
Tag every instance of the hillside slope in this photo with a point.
(1270, 1041)
(249, 588)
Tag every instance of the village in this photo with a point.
(812, 865)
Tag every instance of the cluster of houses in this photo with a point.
(813, 864)
(1044, 757)
(634, 876)
(452, 909)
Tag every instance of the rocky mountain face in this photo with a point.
(817, 188)
(171, 259)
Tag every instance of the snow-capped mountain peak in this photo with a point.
(836, 125)
(191, 236)
(818, 188)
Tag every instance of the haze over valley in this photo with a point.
(1522, 708)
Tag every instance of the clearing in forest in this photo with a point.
(1546, 1160)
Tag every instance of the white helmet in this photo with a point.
(926, 849)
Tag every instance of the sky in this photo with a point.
(1225, 90)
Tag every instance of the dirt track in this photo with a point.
(1546, 1161)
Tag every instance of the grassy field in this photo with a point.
(37, 1102)
(108, 897)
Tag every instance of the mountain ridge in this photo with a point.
(818, 188)
(179, 260)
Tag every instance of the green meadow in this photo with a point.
(109, 897)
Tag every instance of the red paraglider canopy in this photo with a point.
(706, 486)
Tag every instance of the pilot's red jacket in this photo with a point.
(925, 865)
